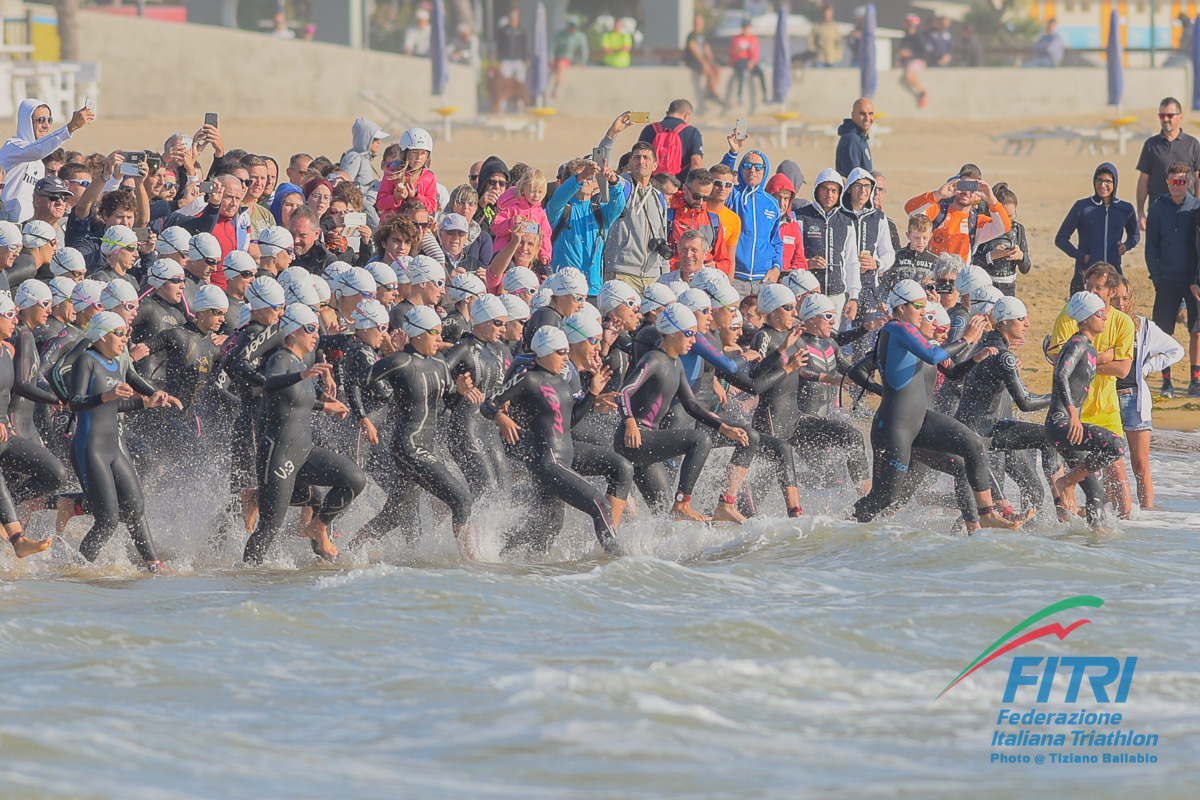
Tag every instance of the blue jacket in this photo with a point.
(1100, 227)
(581, 244)
(1171, 239)
(853, 149)
(760, 247)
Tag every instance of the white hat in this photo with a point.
(801, 281)
(173, 241)
(384, 275)
(243, 318)
(1009, 308)
(265, 292)
(540, 299)
(369, 313)
(1083, 305)
(336, 270)
(298, 291)
(86, 293)
(10, 235)
(814, 305)
(296, 317)
(416, 139)
(294, 274)
(465, 287)
(61, 288)
(706, 274)
(116, 237)
(735, 319)
(420, 319)
(590, 311)
(355, 280)
(905, 291)
(675, 318)
(487, 307)
(203, 245)
(580, 326)
(6, 304)
(941, 317)
(774, 295)
(454, 222)
(322, 287)
(971, 278)
(696, 300)
(210, 297)
(519, 279)
(39, 232)
(722, 292)
(68, 261)
(677, 288)
(162, 271)
(656, 295)
(516, 308)
(274, 239)
(31, 293)
(547, 340)
(118, 291)
(237, 263)
(617, 293)
(401, 266)
(567, 280)
(104, 323)
(424, 269)
(983, 298)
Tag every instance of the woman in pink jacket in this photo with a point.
(523, 203)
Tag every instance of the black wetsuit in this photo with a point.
(474, 443)
(366, 400)
(905, 420)
(543, 406)
(187, 357)
(542, 317)
(822, 439)
(420, 385)
(1073, 374)
(242, 375)
(27, 470)
(110, 482)
(154, 316)
(454, 326)
(288, 462)
(45, 333)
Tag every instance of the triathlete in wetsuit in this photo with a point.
(368, 401)
(289, 463)
(162, 307)
(568, 288)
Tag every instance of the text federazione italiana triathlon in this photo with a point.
(1029, 729)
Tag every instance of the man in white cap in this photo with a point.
(421, 384)
(204, 256)
(656, 382)
(536, 424)
(276, 247)
(568, 291)
(452, 235)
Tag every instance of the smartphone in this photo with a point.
(599, 155)
(639, 116)
(206, 187)
(211, 119)
(529, 227)
(89, 103)
(186, 142)
(130, 169)
(142, 234)
(354, 219)
(965, 185)
(741, 127)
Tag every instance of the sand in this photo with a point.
(916, 157)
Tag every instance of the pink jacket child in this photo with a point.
(424, 183)
(520, 203)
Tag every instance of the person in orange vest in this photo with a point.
(959, 225)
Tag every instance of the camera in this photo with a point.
(660, 246)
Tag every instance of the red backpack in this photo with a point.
(668, 147)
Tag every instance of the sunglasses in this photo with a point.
(85, 184)
(176, 281)
(918, 304)
(54, 198)
(499, 323)
(1161, 115)
(593, 340)
(44, 120)
(474, 176)
(788, 307)
(699, 196)
(496, 184)
(212, 262)
(1177, 181)
(563, 353)
(423, 225)
(168, 186)
(248, 274)
(723, 184)
(755, 167)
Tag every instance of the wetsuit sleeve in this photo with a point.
(1021, 396)
(352, 387)
(139, 384)
(694, 409)
(19, 274)
(1067, 359)
(582, 407)
(702, 347)
(239, 361)
(843, 338)
(491, 406)
(277, 377)
(26, 382)
(861, 374)
(908, 337)
(764, 381)
(81, 378)
(625, 398)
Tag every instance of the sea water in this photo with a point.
(783, 659)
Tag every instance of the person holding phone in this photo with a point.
(958, 224)
(21, 156)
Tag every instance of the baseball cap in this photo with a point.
(1083, 305)
(675, 318)
(547, 340)
(905, 291)
(296, 317)
(775, 295)
(210, 297)
(454, 222)
(420, 319)
(68, 261)
(486, 308)
(51, 184)
(203, 245)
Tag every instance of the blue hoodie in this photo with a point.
(1100, 228)
(760, 247)
(581, 242)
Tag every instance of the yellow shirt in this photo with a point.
(1101, 406)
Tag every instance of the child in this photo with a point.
(523, 203)
(780, 187)
(1002, 256)
(751, 320)
(410, 175)
(915, 262)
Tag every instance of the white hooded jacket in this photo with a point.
(21, 156)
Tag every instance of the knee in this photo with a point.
(356, 482)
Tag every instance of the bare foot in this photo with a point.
(864, 488)
(686, 512)
(1065, 497)
(250, 509)
(994, 520)
(24, 546)
(728, 513)
(318, 531)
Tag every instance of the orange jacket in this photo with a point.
(681, 219)
(952, 236)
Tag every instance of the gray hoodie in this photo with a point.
(21, 156)
(356, 162)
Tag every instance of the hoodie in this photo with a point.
(1171, 240)
(356, 162)
(853, 149)
(485, 214)
(21, 157)
(1100, 228)
(581, 241)
(789, 229)
(796, 176)
(871, 233)
(759, 247)
(827, 235)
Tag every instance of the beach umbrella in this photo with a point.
(1195, 63)
(539, 67)
(781, 76)
(437, 48)
(866, 55)
(1116, 57)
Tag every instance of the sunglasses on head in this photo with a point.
(474, 176)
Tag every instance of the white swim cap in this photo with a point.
(515, 307)
(547, 340)
(675, 318)
(814, 305)
(368, 314)
(210, 298)
(486, 308)
(1083, 305)
(419, 320)
(774, 296)
(297, 316)
(905, 291)
(1007, 308)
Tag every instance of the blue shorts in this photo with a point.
(1131, 420)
